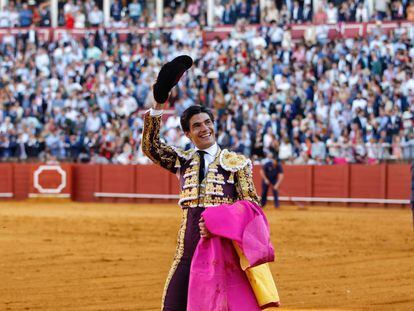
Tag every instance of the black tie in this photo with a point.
(202, 166)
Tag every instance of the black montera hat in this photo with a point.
(169, 76)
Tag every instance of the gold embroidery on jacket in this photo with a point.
(215, 178)
(187, 154)
(232, 161)
(245, 186)
(214, 189)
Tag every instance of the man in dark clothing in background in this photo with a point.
(272, 175)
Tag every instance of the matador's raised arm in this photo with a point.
(153, 148)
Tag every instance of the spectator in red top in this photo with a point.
(320, 16)
(69, 20)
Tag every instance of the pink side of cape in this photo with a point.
(217, 283)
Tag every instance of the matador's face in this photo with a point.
(201, 131)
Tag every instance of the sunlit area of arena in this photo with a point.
(90, 256)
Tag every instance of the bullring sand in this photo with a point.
(74, 256)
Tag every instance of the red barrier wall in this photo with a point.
(152, 179)
(331, 181)
(367, 181)
(6, 179)
(118, 183)
(398, 181)
(84, 184)
(21, 180)
(297, 181)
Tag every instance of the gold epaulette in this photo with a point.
(232, 161)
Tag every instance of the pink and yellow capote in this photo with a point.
(230, 271)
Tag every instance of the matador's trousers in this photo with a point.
(176, 287)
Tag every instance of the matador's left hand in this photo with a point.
(203, 229)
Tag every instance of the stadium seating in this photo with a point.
(307, 93)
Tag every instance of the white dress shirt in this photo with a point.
(209, 156)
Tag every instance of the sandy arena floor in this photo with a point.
(73, 256)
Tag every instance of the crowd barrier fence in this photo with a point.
(350, 184)
(335, 31)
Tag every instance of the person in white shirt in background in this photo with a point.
(361, 14)
(5, 17)
(95, 17)
(332, 13)
(80, 19)
(181, 17)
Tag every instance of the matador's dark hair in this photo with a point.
(191, 111)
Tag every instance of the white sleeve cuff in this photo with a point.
(155, 113)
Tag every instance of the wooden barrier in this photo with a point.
(6, 181)
(398, 181)
(340, 184)
(85, 178)
(297, 181)
(21, 181)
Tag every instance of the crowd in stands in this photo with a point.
(308, 102)
(192, 13)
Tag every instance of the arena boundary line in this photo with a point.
(348, 200)
(136, 195)
(282, 198)
(6, 195)
(49, 195)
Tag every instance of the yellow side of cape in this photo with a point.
(261, 280)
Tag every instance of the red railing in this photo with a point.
(339, 30)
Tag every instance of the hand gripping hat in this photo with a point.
(169, 76)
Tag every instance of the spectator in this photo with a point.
(382, 9)
(194, 9)
(254, 15)
(397, 152)
(307, 13)
(331, 14)
(93, 52)
(80, 19)
(181, 18)
(95, 17)
(271, 14)
(69, 20)
(269, 94)
(320, 16)
(229, 14)
(272, 176)
(116, 10)
(318, 149)
(5, 17)
(361, 14)
(25, 16)
(44, 14)
(410, 12)
(135, 11)
(69, 7)
(285, 149)
(297, 12)
(397, 10)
